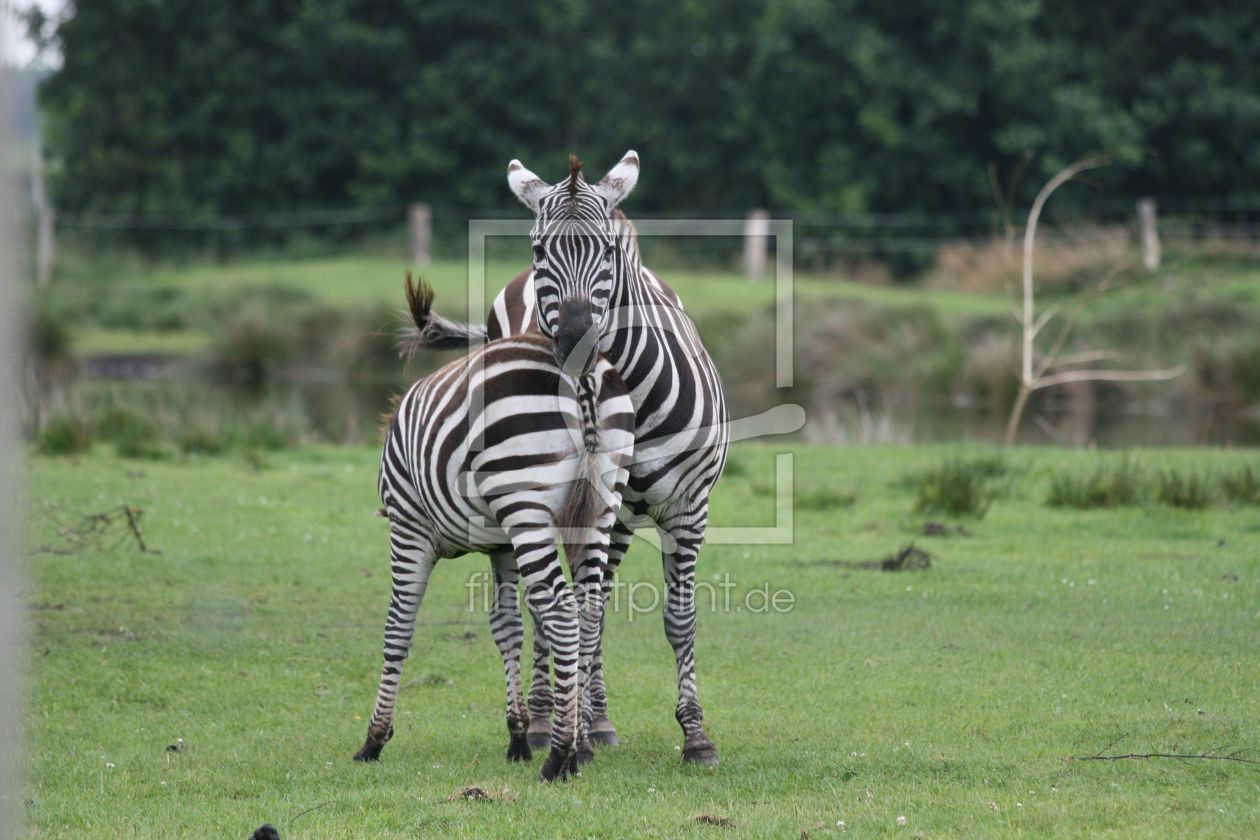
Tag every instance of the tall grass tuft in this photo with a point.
(957, 486)
(64, 436)
(1241, 486)
(1192, 491)
(1111, 484)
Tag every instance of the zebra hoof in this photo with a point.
(539, 734)
(584, 755)
(370, 751)
(518, 749)
(603, 733)
(702, 753)
(558, 766)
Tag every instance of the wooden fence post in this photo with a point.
(1150, 233)
(420, 234)
(756, 239)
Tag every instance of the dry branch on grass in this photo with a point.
(101, 532)
(1207, 756)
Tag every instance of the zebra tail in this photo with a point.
(578, 516)
(428, 329)
(585, 503)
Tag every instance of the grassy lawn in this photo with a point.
(954, 697)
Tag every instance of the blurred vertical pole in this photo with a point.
(1150, 233)
(420, 234)
(45, 244)
(756, 240)
(10, 601)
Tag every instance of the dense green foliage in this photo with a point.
(226, 681)
(203, 110)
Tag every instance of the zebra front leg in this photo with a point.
(686, 528)
(509, 633)
(412, 557)
(540, 696)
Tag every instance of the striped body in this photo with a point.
(486, 428)
(488, 455)
(588, 275)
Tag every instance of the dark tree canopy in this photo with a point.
(189, 108)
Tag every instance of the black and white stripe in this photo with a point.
(586, 254)
(503, 453)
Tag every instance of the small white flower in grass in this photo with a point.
(840, 825)
(163, 784)
(651, 790)
(901, 820)
(109, 765)
(677, 748)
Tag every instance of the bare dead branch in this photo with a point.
(1030, 234)
(1108, 376)
(1033, 372)
(1178, 756)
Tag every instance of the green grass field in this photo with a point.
(955, 697)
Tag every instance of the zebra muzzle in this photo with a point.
(576, 337)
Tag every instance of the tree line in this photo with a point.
(188, 109)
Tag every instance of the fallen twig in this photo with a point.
(1179, 756)
(97, 531)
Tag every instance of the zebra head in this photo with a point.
(579, 255)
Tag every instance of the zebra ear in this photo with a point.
(620, 180)
(527, 186)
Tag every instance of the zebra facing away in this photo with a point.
(588, 290)
(501, 452)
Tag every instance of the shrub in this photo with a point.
(65, 436)
(823, 498)
(1111, 484)
(1067, 261)
(958, 487)
(133, 434)
(251, 348)
(196, 436)
(1242, 485)
(1192, 491)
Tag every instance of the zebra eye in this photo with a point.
(539, 253)
(610, 251)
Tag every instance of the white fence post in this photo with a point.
(1150, 233)
(756, 240)
(420, 234)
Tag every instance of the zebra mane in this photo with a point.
(575, 169)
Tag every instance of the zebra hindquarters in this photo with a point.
(412, 557)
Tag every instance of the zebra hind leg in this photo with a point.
(509, 633)
(412, 558)
(686, 532)
(588, 580)
(602, 731)
(540, 695)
